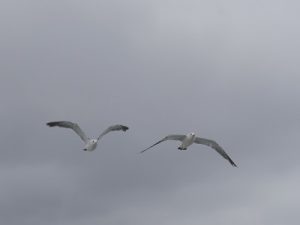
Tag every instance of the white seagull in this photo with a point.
(187, 140)
(90, 144)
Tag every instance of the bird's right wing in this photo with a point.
(73, 126)
(176, 137)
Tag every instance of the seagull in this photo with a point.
(90, 144)
(187, 140)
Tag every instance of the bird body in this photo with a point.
(90, 144)
(189, 139)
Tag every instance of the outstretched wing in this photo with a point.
(176, 137)
(113, 128)
(215, 146)
(73, 126)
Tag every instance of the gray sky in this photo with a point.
(228, 71)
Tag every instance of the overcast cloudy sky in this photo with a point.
(226, 70)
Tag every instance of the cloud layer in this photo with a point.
(226, 71)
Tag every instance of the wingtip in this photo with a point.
(50, 124)
(233, 164)
(144, 150)
(125, 128)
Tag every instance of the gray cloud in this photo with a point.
(228, 72)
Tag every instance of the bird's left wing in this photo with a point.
(216, 147)
(176, 137)
(113, 128)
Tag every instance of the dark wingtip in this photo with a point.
(51, 124)
(144, 150)
(124, 128)
(232, 163)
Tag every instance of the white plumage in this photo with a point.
(90, 144)
(187, 140)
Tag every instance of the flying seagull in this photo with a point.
(90, 144)
(187, 140)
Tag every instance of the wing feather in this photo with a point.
(216, 147)
(67, 124)
(176, 137)
(113, 128)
